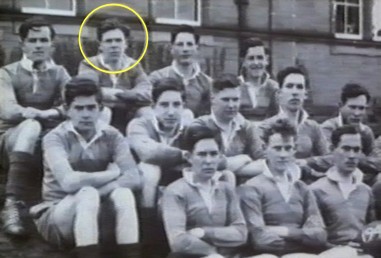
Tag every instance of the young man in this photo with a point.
(88, 168)
(125, 93)
(201, 214)
(184, 67)
(241, 142)
(354, 102)
(280, 211)
(292, 93)
(29, 104)
(258, 90)
(344, 201)
(156, 140)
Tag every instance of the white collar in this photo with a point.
(333, 175)
(100, 127)
(27, 64)
(301, 113)
(236, 123)
(155, 124)
(188, 176)
(195, 67)
(340, 122)
(124, 62)
(263, 81)
(293, 173)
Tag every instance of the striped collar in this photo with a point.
(195, 67)
(189, 178)
(176, 132)
(302, 115)
(124, 62)
(263, 82)
(333, 175)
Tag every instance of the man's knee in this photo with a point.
(88, 199)
(30, 128)
(151, 174)
(123, 198)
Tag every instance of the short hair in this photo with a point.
(167, 84)
(340, 131)
(225, 81)
(79, 86)
(196, 133)
(184, 29)
(249, 43)
(112, 24)
(353, 90)
(287, 71)
(282, 126)
(34, 22)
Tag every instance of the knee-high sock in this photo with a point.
(24, 179)
(89, 251)
(129, 251)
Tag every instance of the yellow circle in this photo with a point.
(145, 46)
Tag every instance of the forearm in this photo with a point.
(188, 244)
(76, 180)
(230, 236)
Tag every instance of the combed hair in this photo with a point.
(35, 22)
(184, 29)
(287, 71)
(340, 131)
(79, 86)
(112, 24)
(225, 81)
(249, 43)
(353, 90)
(281, 126)
(167, 84)
(196, 133)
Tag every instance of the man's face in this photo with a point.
(113, 45)
(293, 92)
(168, 108)
(84, 112)
(353, 110)
(38, 46)
(184, 48)
(204, 159)
(255, 61)
(226, 103)
(347, 153)
(280, 151)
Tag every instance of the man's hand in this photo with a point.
(301, 162)
(279, 230)
(113, 168)
(142, 96)
(31, 113)
(213, 256)
(197, 232)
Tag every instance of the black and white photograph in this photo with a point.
(190, 129)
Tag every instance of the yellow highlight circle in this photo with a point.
(145, 30)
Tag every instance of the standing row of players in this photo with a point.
(185, 130)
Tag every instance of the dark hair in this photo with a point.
(184, 29)
(353, 90)
(34, 22)
(79, 86)
(196, 133)
(167, 84)
(281, 126)
(225, 81)
(249, 43)
(112, 24)
(340, 131)
(286, 72)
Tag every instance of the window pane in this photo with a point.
(61, 4)
(33, 3)
(165, 8)
(353, 20)
(340, 17)
(353, 1)
(187, 10)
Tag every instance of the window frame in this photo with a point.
(374, 28)
(47, 11)
(341, 35)
(176, 21)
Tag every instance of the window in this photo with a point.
(348, 19)
(178, 11)
(52, 7)
(376, 20)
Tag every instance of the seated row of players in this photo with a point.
(31, 100)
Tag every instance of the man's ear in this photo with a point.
(187, 156)
(66, 107)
